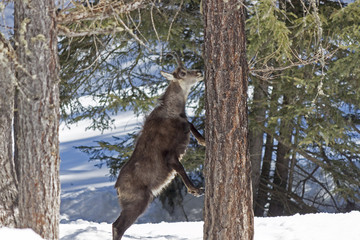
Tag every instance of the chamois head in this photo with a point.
(185, 77)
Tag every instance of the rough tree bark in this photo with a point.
(8, 182)
(228, 210)
(36, 124)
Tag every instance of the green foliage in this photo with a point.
(268, 34)
(346, 22)
(318, 75)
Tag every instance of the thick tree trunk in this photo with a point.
(36, 122)
(256, 135)
(8, 182)
(228, 196)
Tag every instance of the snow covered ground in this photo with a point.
(322, 226)
(89, 204)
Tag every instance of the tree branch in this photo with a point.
(64, 31)
(101, 11)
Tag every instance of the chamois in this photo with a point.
(158, 151)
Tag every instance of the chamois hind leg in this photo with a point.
(131, 210)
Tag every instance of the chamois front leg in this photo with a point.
(175, 164)
(197, 135)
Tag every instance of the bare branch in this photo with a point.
(132, 33)
(310, 176)
(101, 11)
(173, 20)
(64, 31)
(97, 13)
(266, 72)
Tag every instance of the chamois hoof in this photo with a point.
(197, 192)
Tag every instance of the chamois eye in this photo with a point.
(182, 73)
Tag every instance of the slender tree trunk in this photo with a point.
(36, 122)
(228, 210)
(262, 196)
(293, 156)
(263, 190)
(279, 193)
(8, 182)
(256, 135)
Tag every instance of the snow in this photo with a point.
(88, 230)
(15, 234)
(321, 226)
(89, 204)
(76, 172)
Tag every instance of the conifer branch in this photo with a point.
(103, 10)
(94, 13)
(266, 72)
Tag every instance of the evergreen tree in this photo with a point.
(304, 78)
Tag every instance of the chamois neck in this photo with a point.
(173, 100)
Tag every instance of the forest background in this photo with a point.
(303, 100)
(304, 86)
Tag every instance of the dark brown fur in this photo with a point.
(158, 150)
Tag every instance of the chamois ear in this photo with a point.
(168, 76)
